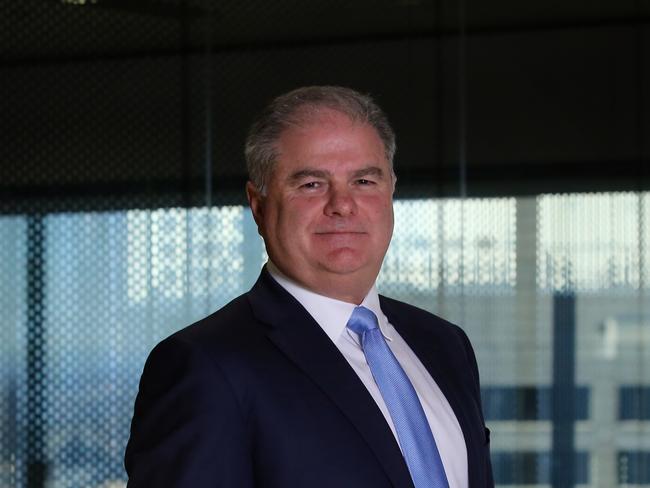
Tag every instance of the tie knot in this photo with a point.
(362, 320)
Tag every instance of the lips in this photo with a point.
(341, 239)
(341, 236)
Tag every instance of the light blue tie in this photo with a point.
(413, 431)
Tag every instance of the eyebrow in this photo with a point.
(308, 173)
(318, 173)
(369, 171)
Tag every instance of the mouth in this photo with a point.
(341, 238)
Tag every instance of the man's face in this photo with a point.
(327, 217)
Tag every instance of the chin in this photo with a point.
(344, 262)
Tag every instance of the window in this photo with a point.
(634, 402)
(86, 295)
(527, 403)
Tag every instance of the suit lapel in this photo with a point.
(425, 345)
(304, 342)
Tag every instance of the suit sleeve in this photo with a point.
(188, 429)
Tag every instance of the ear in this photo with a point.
(256, 202)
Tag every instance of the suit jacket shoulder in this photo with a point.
(428, 333)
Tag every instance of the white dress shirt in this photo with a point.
(333, 315)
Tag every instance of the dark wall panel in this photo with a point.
(570, 105)
(109, 121)
(553, 97)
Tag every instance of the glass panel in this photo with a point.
(553, 299)
(13, 285)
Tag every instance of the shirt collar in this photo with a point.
(331, 314)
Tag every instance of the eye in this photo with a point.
(311, 185)
(364, 181)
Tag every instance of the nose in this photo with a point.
(340, 203)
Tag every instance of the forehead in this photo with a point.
(330, 134)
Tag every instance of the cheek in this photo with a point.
(380, 210)
(305, 206)
(383, 220)
(294, 216)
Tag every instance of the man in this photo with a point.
(293, 384)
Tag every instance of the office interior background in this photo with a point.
(522, 207)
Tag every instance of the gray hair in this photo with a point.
(299, 107)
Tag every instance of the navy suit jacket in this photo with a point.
(257, 395)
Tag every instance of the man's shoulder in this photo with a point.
(232, 326)
(406, 311)
(239, 330)
(415, 323)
